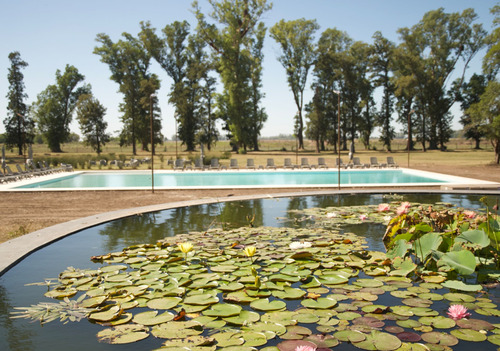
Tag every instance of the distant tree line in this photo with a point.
(226, 46)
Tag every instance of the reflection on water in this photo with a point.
(75, 250)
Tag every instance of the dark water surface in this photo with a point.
(76, 250)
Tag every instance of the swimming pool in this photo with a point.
(244, 179)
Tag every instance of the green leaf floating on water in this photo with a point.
(123, 334)
(320, 303)
(266, 305)
(152, 318)
(459, 285)
(223, 310)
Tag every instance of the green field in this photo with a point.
(459, 152)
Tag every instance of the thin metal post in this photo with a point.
(151, 97)
(409, 141)
(338, 134)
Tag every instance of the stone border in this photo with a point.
(13, 251)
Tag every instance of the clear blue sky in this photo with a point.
(52, 33)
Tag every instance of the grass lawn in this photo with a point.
(459, 153)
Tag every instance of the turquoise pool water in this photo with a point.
(229, 179)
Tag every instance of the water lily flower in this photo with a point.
(331, 215)
(363, 217)
(387, 219)
(470, 214)
(458, 312)
(403, 208)
(384, 207)
(294, 245)
(305, 348)
(250, 251)
(185, 247)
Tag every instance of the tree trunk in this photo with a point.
(478, 141)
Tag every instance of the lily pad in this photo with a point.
(152, 318)
(223, 310)
(468, 335)
(123, 334)
(440, 338)
(244, 318)
(320, 303)
(164, 303)
(266, 305)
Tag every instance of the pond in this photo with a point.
(76, 250)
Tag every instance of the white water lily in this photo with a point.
(331, 215)
(294, 245)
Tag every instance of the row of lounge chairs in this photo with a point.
(31, 170)
(180, 164)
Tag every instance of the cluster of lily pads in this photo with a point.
(272, 288)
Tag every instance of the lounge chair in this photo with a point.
(198, 164)
(6, 178)
(250, 163)
(270, 163)
(391, 163)
(342, 164)
(287, 163)
(214, 164)
(375, 164)
(304, 163)
(10, 173)
(356, 163)
(23, 172)
(322, 162)
(179, 164)
(233, 164)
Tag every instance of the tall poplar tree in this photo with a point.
(298, 54)
(439, 42)
(129, 63)
(235, 24)
(56, 104)
(19, 126)
(381, 67)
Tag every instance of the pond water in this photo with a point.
(76, 250)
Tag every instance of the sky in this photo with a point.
(49, 34)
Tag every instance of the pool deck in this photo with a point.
(452, 182)
(15, 250)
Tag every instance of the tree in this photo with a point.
(467, 94)
(486, 113)
(258, 115)
(239, 20)
(327, 81)
(491, 61)
(298, 55)
(129, 62)
(171, 53)
(55, 106)
(90, 114)
(381, 67)
(19, 126)
(438, 43)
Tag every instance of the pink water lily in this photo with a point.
(458, 312)
(403, 208)
(384, 207)
(470, 214)
(363, 217)
(305, 348)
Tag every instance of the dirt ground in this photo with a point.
(22, 213)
